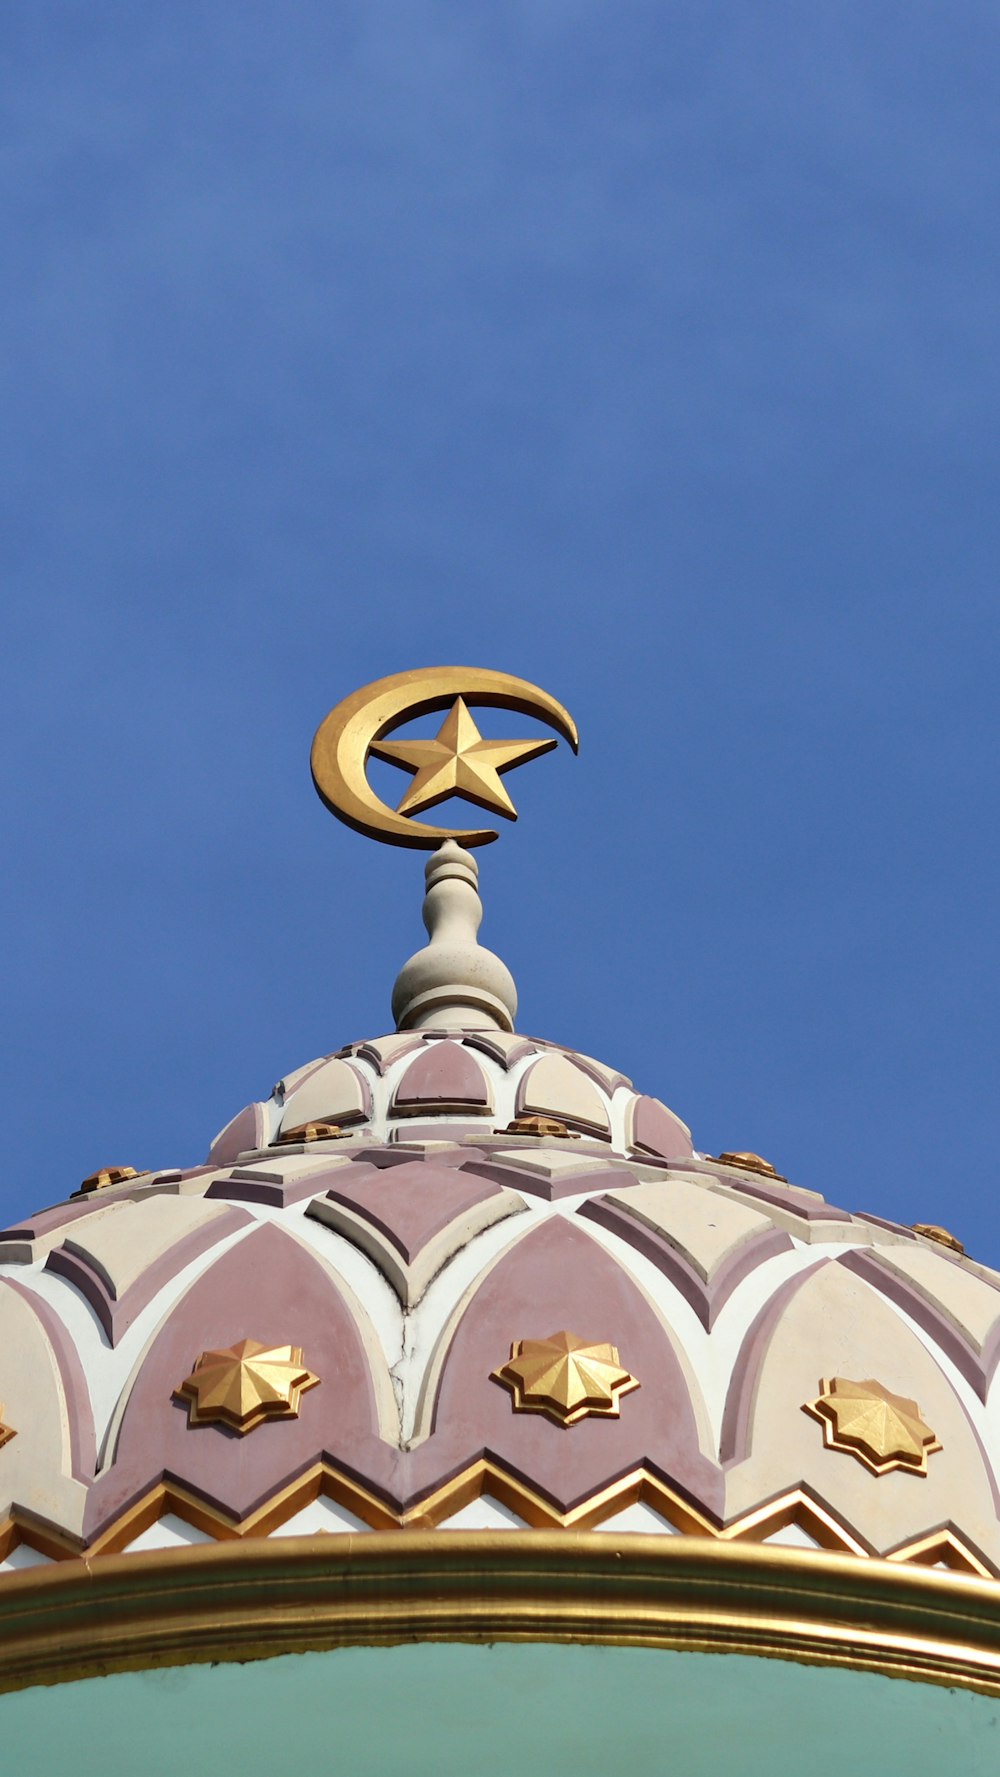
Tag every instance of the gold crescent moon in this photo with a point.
(344, 740)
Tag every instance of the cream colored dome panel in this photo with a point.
(333, 1092)
(555, 1087)
(832, 1324)
(47, 1437)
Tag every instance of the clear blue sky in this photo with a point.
(646, 350)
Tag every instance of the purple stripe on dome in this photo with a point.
(299, 1076)
(244, 1133)
(984, 1454)
(79, 1413)
(977, 1371)
(786, 1197)
(607, 1078)
(272, 1188)
(880, 1222)
(381, 1156)
(34, 1226)
(707, 1299)
(370, 1051)
(497, 1051)
(409, 1146)
(536, 1184)
(411, 1205)
(45, 1221)
(335, 1092)
(572, 1097)
(116, 1314)
(734, 1437)
(976, 1366)
(655, 1130)
(279, 1196)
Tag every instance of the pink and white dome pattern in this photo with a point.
(397, 1086)
(407, 1257)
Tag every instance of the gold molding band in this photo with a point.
(259, 1597)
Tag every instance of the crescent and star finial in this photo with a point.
(452, 983)
(458, 761)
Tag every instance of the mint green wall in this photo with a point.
(512, 1710)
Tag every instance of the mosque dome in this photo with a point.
(456, 1335)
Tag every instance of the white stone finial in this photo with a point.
(453, 984)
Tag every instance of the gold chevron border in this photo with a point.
(484, 1479)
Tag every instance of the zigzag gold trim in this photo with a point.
(170, 1497)
(484, 1478)
(943, 1546)
(36, 1533)
(255, 1597)
(796, 1507)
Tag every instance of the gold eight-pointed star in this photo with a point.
(459, 762)
(864, 1419)
(244, 1384)
(565, 1377)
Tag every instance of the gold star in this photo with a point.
(244, 1384)
(6, 1431)
(459, 762)
(565, 1377)
(883, 1430)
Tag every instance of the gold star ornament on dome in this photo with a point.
(241, 1385)
(566, 1378)
(864, 1419)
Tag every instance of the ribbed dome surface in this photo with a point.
(430, 1320)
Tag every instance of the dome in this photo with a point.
(457, 1336)
(474, 1280)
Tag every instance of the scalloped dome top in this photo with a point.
(437, 1084)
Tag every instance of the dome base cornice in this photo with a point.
(259, 1598)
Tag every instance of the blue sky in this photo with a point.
(648, 351)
